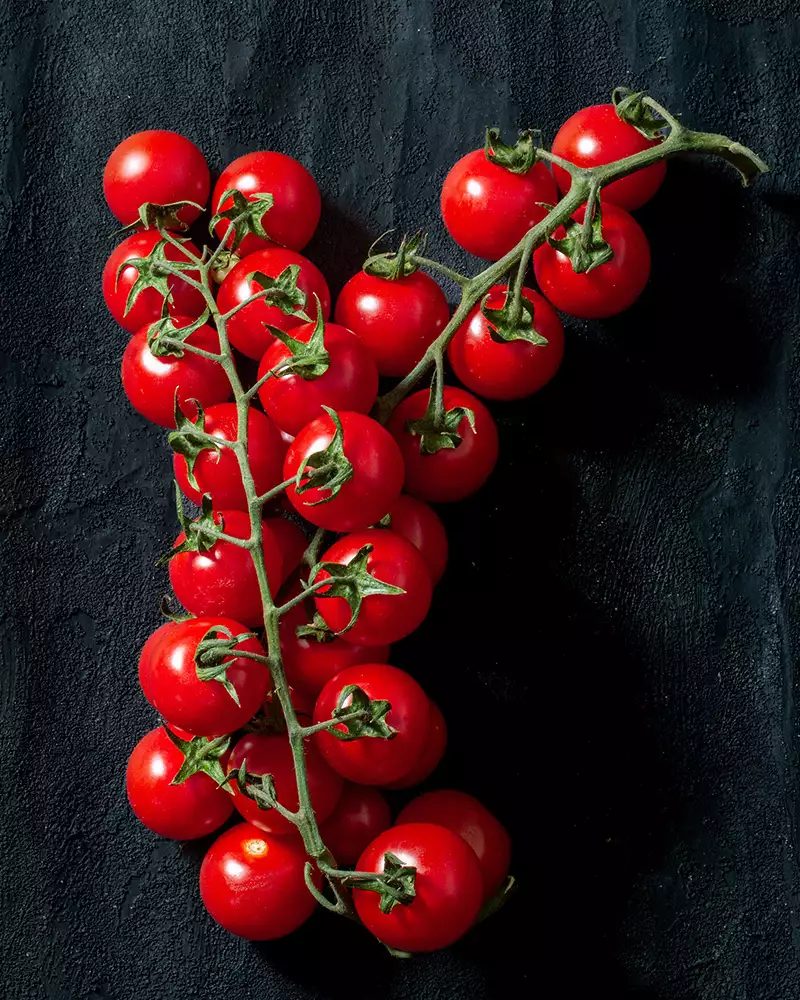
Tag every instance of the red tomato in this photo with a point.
(291, 541)
(246, 329)
(271, 753)
(217, 472)
(500, 369)
(421, 525)
(171, 685)
(151, 645)
(472, 821)
(296, 202)
(372, 760)
(156, 166)
(350, 383)
(607, 289)
(383, 618)
(488, 209)
(252, 883)
(432, 752)
(597, 135)
(181, 812)
(375, 483)
(222, 580)
(396, 320)
(451, 473)
(303, 703)
(360, 815)
(150, 380)
(449, 888)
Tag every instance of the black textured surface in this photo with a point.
(641, 677)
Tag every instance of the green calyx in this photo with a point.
(395, 885)
(328, 469)
(164, 329)
(200, 756)
(439, 428)
(316, 629)
(308, 359)
(200, 535)
(258, 787)
(633, 110)
(246, 215)
(284, 292)
(152, 272)
(353, 582)
(370, 719)
(153, 216)
(214, 655)
(505, 327)
(171, 615)
(398, 263)
(518, 158)
(190, 438)
(585, 248)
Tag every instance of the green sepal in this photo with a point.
(438, 428)
(286, 295)
(353, 582)
(165, 327)
(631, 109)
(518, 158)
(503, 330)
(585, 252)
(151, 272)
(334, 467)
(395, 885)
(200, 756)
(315, 629)
(173, 616)
(154, 216)
(190, 438)
(396, 263)
(373, 724)
(309, 359)
(246, 213)
(258, 787)
(498, 900)
(385, 521)
(196, 538)
(213, 656)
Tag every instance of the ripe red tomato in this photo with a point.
(181, 812)
(488, 209)
(396, 320)
(360, 815)
(246, 329)
(296, 202)
(607, 289)
(377, 473)
(184, 301)
(383, 618)
(500, 369)
(150, 380)
(419, 524)
(597, 135)
(450, 473)
(472, 821)
(170, 683)
(217, 472)
(291, 541)
(372, 760)
(222, 580)
(156, 166)
(432, 752)
(350, 383)
(449, 888)
(252, 883)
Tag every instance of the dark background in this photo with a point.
(614, 642)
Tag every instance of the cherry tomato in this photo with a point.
(171, 685)
(350, 383)
(296, 202)
(377, 473)
(382, 618)
(500, 369)
(472, 821)
(488, 209)
(421, 525)
(450, 473)
(432, 751)
(252, 883)
(222, 580)
(217, 472)
(150, 380)
(449, 888)
(152, 644)
(181, 812)
(156, 166)
(184, 301)
(607, 289)
(597, 135)
(360, 815)
(291, 541)
(396, 320)
(246, 329)
(372, 760)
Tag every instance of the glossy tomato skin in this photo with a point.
(246, 328)
(222, 580)
(377, 473)
(451, 473)
(432, 751)
(192, 809)
(498, 369)
(383, 618)
(361, 814)
(395, 320)
(252, 883)
(291, 541)
(185, 301)
(472, 821)
(488, 209)
(419, 524)
(217, 472)
(170, 683)
(607, 289)
(271, 753)
(371, 760)
(150, 380)
(597, 135)
(449, 888)
(350, 383)
(157, 166)
(296, 208)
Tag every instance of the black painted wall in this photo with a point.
(629, 708)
